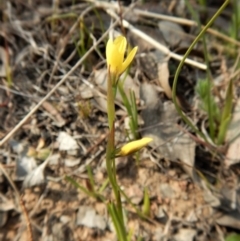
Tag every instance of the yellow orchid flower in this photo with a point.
(133, 146)
(115, 51)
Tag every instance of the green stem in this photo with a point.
(209, 100)
(110, 101)
(184, 117)
(110, 160)
(235, 18)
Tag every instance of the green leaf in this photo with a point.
(77, 185)
(118, 223)
(228, 102)
(90, 176)
(226, 114)
(146, 203)
(85, 190)
(131, 107)
(223, 130)
(233, 237)
(124, 97)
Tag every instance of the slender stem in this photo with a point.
(110, 101)
(209, 89)
(184, 117)
(235, 18)
(111, 168)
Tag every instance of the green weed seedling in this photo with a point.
(217, 131)
(117, 64)
(220, 117)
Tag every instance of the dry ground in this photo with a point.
(193, 186)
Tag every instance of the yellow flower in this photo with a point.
(115, 51)
(133, 146)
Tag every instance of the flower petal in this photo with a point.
(115, 51)
(133, 146)
(128, 60)
(109, 51)
(121, 43)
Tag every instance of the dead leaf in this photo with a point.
(163, 78)
(172, 32)
(16, 146)
(160, 123)
(66, 142)
(86, 91)
(209, 197)
(88, 217)
(3, 62)
(99, 101)
(71, 162)
(54, 114)
(230, 219)
(36, 176)
(6, 204)
(25, 165)
(143, 45)
(185, 234)
(233, 136)
(3, 218)
(149, 63)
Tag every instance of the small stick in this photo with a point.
(155, 43)
(36, 107)
(29, 226)
(20, 202)
(178, 20)
(187, 22)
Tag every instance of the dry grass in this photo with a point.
(52, 59)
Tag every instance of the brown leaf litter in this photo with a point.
(52, 74)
